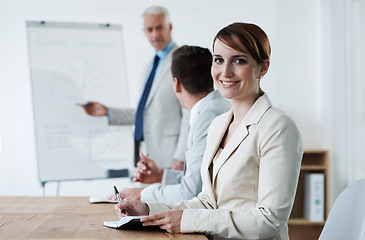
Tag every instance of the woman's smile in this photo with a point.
(228, 84)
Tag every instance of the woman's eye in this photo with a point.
(240, 61)
(218, 60)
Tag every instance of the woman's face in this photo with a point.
(235, 73)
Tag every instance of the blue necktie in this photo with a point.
(138, 132)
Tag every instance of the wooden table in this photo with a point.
(67, 217)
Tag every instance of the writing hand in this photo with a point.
(131, 193)
(132, 208)
(169, 220)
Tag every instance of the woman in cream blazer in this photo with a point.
(251, 164)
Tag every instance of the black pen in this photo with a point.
(117, 195)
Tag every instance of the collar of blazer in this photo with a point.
(161, 75)
(253, 116)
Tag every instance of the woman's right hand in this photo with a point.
(132, 208)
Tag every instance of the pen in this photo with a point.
(117, 195)
(82, 104)
(145, 163)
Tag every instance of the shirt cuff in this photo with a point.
(171, 177)
(163, 181)
(156, 207)
(109, 115)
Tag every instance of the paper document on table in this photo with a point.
(101, 199)
(125, 223)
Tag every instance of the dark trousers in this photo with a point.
(136, 151)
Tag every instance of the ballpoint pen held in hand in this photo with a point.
(118, 197)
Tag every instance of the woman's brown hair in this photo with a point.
(251, 36)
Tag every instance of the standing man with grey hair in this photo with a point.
(161, 124)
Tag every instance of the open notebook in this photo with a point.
(100, 199)
(129, 222)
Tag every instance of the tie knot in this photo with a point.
(155, 63)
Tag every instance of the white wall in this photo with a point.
(302, 79)
(356, 75)
(342, 52)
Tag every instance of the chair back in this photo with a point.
(346, 219)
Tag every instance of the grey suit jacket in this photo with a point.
(179, 185)
(250, 191)
(165, 121)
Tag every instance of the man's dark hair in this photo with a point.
(192, 65)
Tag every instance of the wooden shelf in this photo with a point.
(313, 168)
(314, 161)
(302, 221)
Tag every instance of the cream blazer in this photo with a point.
(252, 188)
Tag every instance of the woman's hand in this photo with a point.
(131, 208)
(169, 220)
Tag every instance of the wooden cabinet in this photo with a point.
(314, 161)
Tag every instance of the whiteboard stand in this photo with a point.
(43, 188)
(58, 189)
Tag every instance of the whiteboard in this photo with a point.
(72, 63)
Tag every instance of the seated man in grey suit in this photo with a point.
(193, 87)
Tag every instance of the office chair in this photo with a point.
(346, 220)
